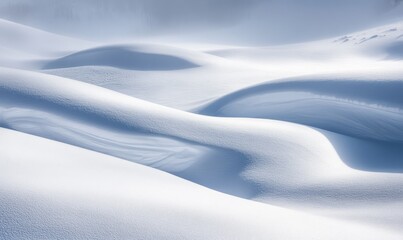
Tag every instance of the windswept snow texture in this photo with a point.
(227, 119)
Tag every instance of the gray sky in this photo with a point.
(235, 21)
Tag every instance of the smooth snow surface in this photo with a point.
(96, 196)
(168, 129)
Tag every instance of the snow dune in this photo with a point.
(235, 68)
(96, 196)
(365, 106)
(121, 57)
(304, 168)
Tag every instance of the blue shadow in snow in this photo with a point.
(367, 155)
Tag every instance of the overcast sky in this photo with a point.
(243, 21)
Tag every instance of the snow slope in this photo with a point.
(21, 45)
(96, 196)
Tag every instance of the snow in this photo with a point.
(165, 137)
(121, 57)
(95, 196)
(366, 108)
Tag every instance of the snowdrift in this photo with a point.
(92, 117)
(359, 107)
(96, 196)
(121, 57)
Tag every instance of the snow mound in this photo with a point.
(121, 57)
